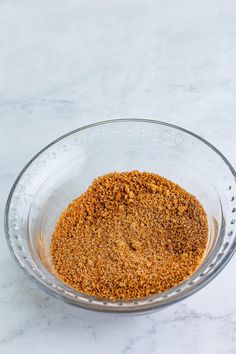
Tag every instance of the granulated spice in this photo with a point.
(130, 235)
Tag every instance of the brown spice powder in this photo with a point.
(130, 235)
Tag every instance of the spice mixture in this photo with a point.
(130, 235)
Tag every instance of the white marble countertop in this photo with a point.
(67, 63)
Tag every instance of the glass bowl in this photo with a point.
(66, 167)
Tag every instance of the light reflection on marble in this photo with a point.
(64, 64)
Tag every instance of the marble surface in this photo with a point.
(67, 63)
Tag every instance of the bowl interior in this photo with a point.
(65, 169)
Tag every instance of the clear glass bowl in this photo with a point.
(66, 167)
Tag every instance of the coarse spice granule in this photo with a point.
(130, 235)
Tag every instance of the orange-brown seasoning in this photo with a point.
(130, 235)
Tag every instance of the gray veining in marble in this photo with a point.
(64, 64)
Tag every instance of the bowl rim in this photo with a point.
(119, 309)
